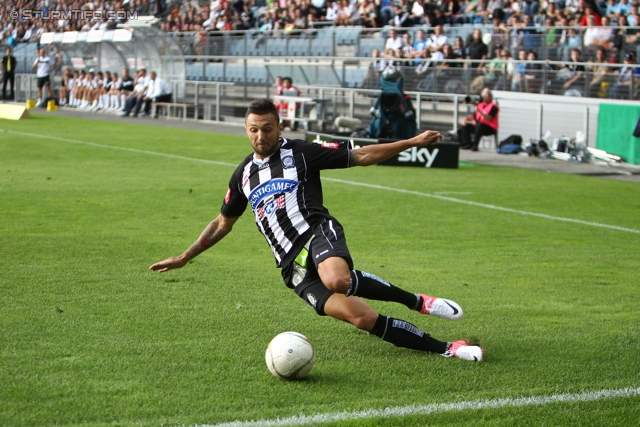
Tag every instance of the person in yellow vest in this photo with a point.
(9, 64)
(484, 122)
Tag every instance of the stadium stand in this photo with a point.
(215, 72)
(348, 35)
(195, 71)
(209, 30)
(235, 46)
(355, 77)
(298, 47)
(257, 75)
(368, 44)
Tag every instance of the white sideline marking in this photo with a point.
(444, 193)
(484, 205)
(360, 184)
(114, 147)
(403, 411)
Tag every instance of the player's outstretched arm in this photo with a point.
(376, 153)
(212, 234)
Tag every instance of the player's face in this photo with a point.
(264, 133)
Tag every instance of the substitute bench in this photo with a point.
(168, 106)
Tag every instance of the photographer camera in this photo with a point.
(472, 99)
(483, 122)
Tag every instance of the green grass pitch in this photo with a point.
(90, 337)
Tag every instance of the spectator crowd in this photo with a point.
(295, 15)
(513, 24)
(603, 23)
(577, 31)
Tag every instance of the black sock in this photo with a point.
(370, 286)
(404, 334)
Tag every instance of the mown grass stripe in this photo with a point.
(403, 411)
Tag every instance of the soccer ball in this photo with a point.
(290, 355)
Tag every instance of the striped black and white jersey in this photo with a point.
(285, 192)
(127, 83)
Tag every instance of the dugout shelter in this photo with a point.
(133, 47)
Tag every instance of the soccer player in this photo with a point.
(281, 182)
(125, 88)
(77, 93)
(112, 96)
(66, 86)
(90, 87)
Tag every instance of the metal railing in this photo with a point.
(206, 94)
(529, 115)
(447, 76)
(358, 42)
(25, 87)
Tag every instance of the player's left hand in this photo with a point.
(168, 264)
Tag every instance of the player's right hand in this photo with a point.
(430, 137)
(168, 264)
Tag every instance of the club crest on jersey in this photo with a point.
(270, 190)
(270, 206)
(288, 162)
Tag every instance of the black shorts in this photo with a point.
(43, 81)
(327, 241)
